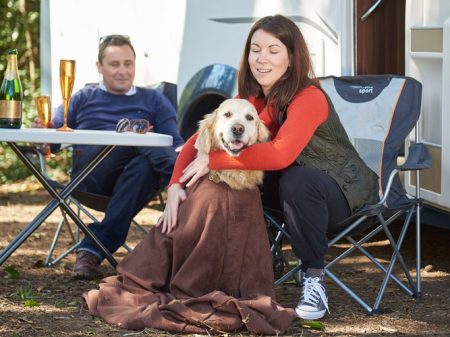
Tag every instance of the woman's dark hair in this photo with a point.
(299, 74)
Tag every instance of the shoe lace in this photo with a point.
(313, 291)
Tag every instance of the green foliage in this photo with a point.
(24, 294)
(27, 296)
(12, 169)
(19, 18)
(13, 35)
(11, 272)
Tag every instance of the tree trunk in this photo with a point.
(29, 45)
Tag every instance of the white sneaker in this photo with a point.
(314, 301)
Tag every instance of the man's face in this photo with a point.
(118, 69)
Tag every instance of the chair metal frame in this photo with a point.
(76, 199)
(418, 159)
(169, 90)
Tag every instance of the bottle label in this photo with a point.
(10, 109)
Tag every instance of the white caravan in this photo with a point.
(176, 38)
(197, 44)
(428, 60)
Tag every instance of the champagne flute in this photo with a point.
(44, 112)
(43, 109)
(66, 79)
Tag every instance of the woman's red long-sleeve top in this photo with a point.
(307, 110)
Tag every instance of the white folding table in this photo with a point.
(109, 140)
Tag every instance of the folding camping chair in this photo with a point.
(83, 202)
(83, 199)
(378, 113)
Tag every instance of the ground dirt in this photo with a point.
(62, 312)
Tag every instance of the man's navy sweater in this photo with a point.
(92, 108)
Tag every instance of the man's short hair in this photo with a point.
(113, 40)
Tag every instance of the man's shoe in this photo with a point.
(314, 301)
(87, 266)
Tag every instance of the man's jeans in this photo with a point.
(130, 176)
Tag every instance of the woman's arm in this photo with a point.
(305, 114)
(186, 156)
(176, 193)
(168, 220)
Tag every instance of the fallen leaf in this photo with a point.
(312, 325)
(30, 303)
(23, 319)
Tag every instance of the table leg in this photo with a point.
(27, 231)
(59, 199)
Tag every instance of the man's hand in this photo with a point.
(37, 123)
(168, 220)
(196, 169)
(41, 147)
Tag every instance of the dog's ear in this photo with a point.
(263, 132)
(205, 132)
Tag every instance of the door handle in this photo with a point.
(370, 10)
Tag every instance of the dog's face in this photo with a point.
(233, 126)
(236, 125)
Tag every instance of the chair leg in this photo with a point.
(352, 294)
(277, 251)
(379, 265)
(291, 273)
(396, 255)
(161, 200)
(63, 255)
(418, 251)
(128, 248)
(138, 225)
(396, 247)
(55, 240)
(76, 238)
(63, 221)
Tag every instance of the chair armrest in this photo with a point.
(419, 158)
(37, 158)
(31, 152)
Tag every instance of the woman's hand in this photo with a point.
(196, 169)
(168, 220)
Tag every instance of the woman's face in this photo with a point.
(268, 59)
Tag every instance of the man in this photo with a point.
(129, 175)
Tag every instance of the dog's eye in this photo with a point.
(249, 117)
(227, 114)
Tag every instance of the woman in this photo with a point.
(207, 266)
(318, 178)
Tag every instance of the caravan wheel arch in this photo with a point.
(203, 93)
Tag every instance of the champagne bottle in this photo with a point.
(11, 95)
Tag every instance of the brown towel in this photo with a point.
(214, 272)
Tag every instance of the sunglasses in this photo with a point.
(113, 37)
(133, 125)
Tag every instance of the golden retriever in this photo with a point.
(232, 127)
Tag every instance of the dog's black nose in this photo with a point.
(237, 129)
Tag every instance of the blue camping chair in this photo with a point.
(84, 201)
(378, 113)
